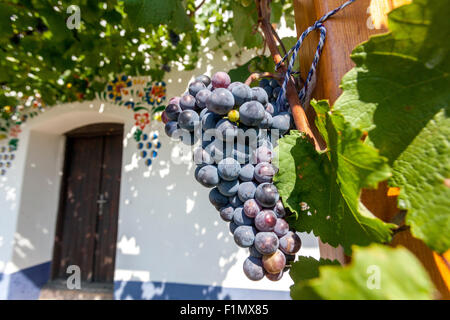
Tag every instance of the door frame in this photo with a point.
(90, 130)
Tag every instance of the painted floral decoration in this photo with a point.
(142, 119)
(116, 88)
(155, 93)
(15, 131)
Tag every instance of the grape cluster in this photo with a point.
(235, 128)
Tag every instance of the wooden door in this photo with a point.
(87, 222)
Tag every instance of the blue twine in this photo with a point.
(318, 25)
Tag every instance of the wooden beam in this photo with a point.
(349, 27)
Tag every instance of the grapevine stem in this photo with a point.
(302, 123)
(258, 75)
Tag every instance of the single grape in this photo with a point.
(281, 123)
(220, 80)
(188, 119)
(186, 137)
(290, 243)
(274, 276)
(267, 195)
(228, 188)
(263, 154)
(187, 102)
(208, 176)
(260, 95)
(244, 236)
(246, 190)
(205, 79)
(251, 208)
(240, 218)
(221, 101)
(281, 228)
(270, 109)
(264, 172)
(175, 100)
(253, 268)
(279, 209)
(247, 172)
(263, 82)
(217, 199)
(268, 90)
(234, 84)
(274, 263)
(195, 87)
(233, 116)
(241, 93)
(226, 130)
(276, 92)
(235, 201)
(171, 127)
(173, 111)
(254, 253)
(229, 169)
(251, 113)
(266, 242)
(202, 97)
(274, 83)
(226, 213)
(265, 220)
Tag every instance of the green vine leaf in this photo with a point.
(399, 93)
(376, 273)
(323, 189)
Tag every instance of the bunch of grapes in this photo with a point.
(235, 128)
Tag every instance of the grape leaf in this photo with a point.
(244, 21)
(323, 189)
(399, 93)
(142, 13)
(376, 273)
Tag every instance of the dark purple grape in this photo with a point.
(235, 201)
(260, 95)
(209, 121)
(279, 209)
(202, 97)
(229, 169)
(274, 276)
(208, 176)
(290, 243)
(234, 84)
(264, 172)
(175, 100)
(195, 87)
(263, 82)
(173, 111)
(241, 93)
(251, 208)
(247, 172)
(221, 101)
(274, 263)
(226, 213)
(267, 195)
(266, 242)
(268, 90)
(188, 119)
(244, 236)
(281, 123)
(171, 127)
(220, 80)
(205, 79)
(270, 109)
(246, 191)
(265, 220)
(240, 218)
(217, 199)
(251, 113)
(274, 83)
(263, 154)
(281, 228)
(228, 188)
(254, 253)
(253, 268)
(187, 102)
(226, 130)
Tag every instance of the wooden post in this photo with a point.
(349, 27)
